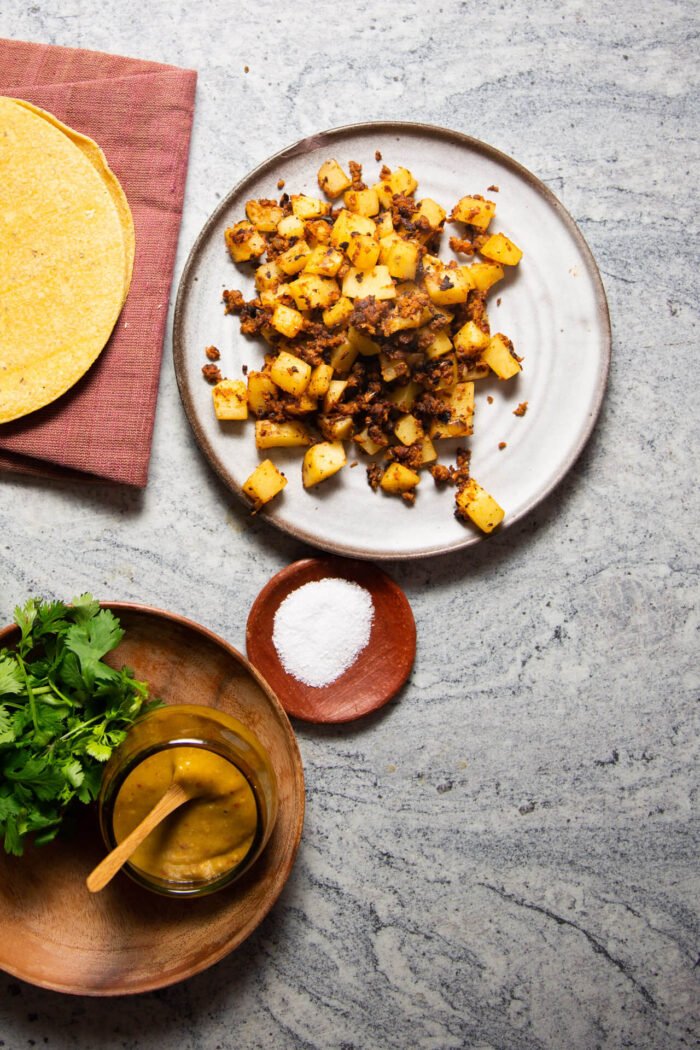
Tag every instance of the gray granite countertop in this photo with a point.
(506, 858)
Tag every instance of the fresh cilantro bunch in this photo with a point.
(62, 713)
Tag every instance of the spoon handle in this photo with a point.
(108, 868)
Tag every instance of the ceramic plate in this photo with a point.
(125, 939)
(552, 306)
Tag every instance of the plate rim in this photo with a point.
(282, 872)
(315, 141)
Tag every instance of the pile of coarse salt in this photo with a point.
(320, 629)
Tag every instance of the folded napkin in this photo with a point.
(140, 114)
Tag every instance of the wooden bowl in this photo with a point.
(378, 672)
(126, 939)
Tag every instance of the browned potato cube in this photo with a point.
(309, 207)
(264, 215)
(264, 483)
(321, 461)
(261, 390)
(290, 373)
(397, 479)
(481, 508)
(475, 211)
(286, 320)
(498, 355)
(332, 179)
(289, 434)
(311, 292)
(244, 242)
(358, 284)
(502, 250)
(230, 399)
(362, 202)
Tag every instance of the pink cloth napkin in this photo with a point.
(140, 114)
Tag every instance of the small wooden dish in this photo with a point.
(125, 939)
(378, 672)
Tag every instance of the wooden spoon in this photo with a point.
(108, 868)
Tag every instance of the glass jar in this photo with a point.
(210, 840)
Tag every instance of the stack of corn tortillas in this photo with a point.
(66, 256)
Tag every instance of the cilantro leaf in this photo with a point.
(63, 710)
(11, 681)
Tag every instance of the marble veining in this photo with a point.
(506, 856)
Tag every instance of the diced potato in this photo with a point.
(357, 284)
(289, 434)
(336, 428)
(385, 225)
(431, 263)
(441, 344)
(475, 211)
(291, 227)
(324, 261)
(301, 406)
(366, 346)
(427, 451)
(332, 179)
(290, 373)
(317, 232)
(268, 276)
(343, 357)
(363, 250)
(401, 180)
(479, 506)
(308, 207)
(264, 215)
(408, 429)
(264, 483)
(311, 292)
(471, 339)
(384, 193)
(362, 202)
(386, 243)
(366, 443)
(230, 399)
(334, 394)
(293, 260)
(401, 319)
(472, 369)
(460, 404)
(502, 250)
(498, 356)
(485, 274)
(338, 313)
(448, 285)
(404, 397)
(244, 242)
(272, 296)
(286, 320)
(321, 461)
(432, 211)
(397, 478)
(320, 380)
(402, 259)
(261, 390)
(346, 224)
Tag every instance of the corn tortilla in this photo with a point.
(67, 248)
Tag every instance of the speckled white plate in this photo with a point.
(552, 306)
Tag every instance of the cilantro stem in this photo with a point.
(30, 694)
(81, 728)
